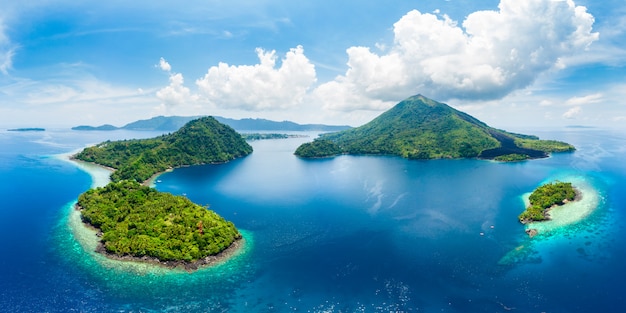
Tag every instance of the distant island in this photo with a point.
(139, 223)
(266, 136)
(421, 128)
(27, 129)
(172, 123)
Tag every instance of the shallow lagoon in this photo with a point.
(349, 234)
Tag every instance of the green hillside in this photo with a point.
(201, 141)
(421, 128)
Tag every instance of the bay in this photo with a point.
(347, 234)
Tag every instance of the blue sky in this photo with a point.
(513, 64)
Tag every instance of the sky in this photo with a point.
(512, 64)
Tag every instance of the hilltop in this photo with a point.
(201, 141)
(422, 128)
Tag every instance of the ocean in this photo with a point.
(346, 234)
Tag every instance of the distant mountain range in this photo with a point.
(421, 128)
(173, 123)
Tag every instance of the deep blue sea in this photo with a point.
(347, 234)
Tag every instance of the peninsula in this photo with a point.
(421, 128)
(139, 223)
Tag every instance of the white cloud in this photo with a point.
(577, 101)
(175, 94)
(573, 112)
(164, 65)
(261, 86)
(63, 101)
(491, 55)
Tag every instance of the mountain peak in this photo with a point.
(422, 128)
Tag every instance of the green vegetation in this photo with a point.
(544, 198)
(421, 128)
(200, 141)
(319, 148)
(545, 145)
(513, 157)
(141, 221)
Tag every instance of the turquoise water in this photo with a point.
(348, 234)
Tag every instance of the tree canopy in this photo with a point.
(544, 197)
(140, 221)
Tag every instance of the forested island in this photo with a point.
(139, 223)
(200, 141)
(421, 128)
(546, 197)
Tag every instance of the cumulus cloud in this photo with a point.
(164, 65)
(490, 55)
(174, 94)
(262, 86)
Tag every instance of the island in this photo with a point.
(138, 223)
(421, 128)
(201, 141)
(27, 129)
(269, 136)
(545, 198)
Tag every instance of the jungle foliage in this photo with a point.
(545, 145)
(513, 157)
(319, 148)
(201, 141)
(544, 198)
(140, 221)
